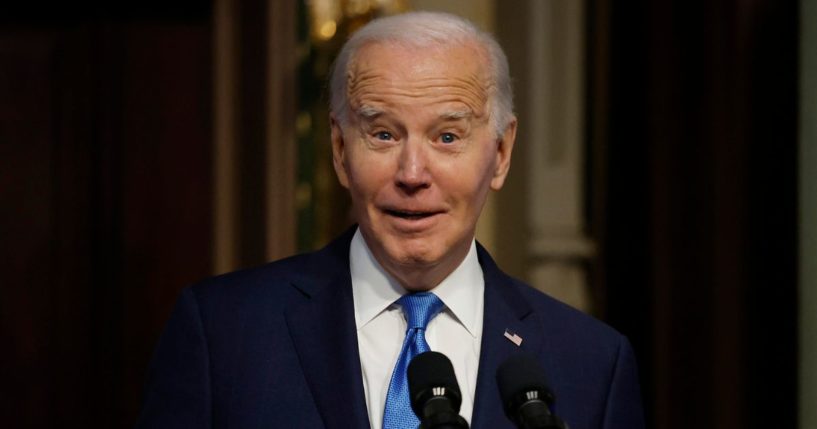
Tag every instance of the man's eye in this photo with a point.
(383, 135)
(448, 138)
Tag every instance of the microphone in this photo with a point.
(434, 392)
(525, 395)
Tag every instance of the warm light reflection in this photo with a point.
(357, 7)
(327, 30)
(328, 18)
(324, 16)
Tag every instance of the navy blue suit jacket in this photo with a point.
(276, 347)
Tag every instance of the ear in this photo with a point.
(504, 147)
(338, 151)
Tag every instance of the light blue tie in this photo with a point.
(419, 309)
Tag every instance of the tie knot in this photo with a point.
(420, 308)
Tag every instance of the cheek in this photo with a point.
(470, 179)
(368, 175)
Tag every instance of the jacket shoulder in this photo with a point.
(560, 319)
(275, 284)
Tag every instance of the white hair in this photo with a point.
(422, 29)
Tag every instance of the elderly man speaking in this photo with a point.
(422, 130)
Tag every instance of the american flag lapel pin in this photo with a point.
(512, 337)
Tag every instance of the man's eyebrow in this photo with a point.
(369, 112)
(456, 114)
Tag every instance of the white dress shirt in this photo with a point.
(381, 327)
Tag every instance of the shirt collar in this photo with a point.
(374, 290)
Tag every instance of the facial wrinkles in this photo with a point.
(436, 90)
(369, 87)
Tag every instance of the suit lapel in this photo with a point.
(505, 309)
(324, 335)
(323, 332)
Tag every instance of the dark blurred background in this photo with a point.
(145, 146)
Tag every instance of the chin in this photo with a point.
(410, 253)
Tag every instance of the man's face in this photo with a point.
(419, 155)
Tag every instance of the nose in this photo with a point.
(412, 169)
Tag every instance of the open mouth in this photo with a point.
(411, 215)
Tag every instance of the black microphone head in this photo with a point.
(519, 374)
(431, 374)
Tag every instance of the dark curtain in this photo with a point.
(694, 104)
(105, 153)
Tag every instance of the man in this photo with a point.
(422, 129)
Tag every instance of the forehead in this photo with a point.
(387, 74)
